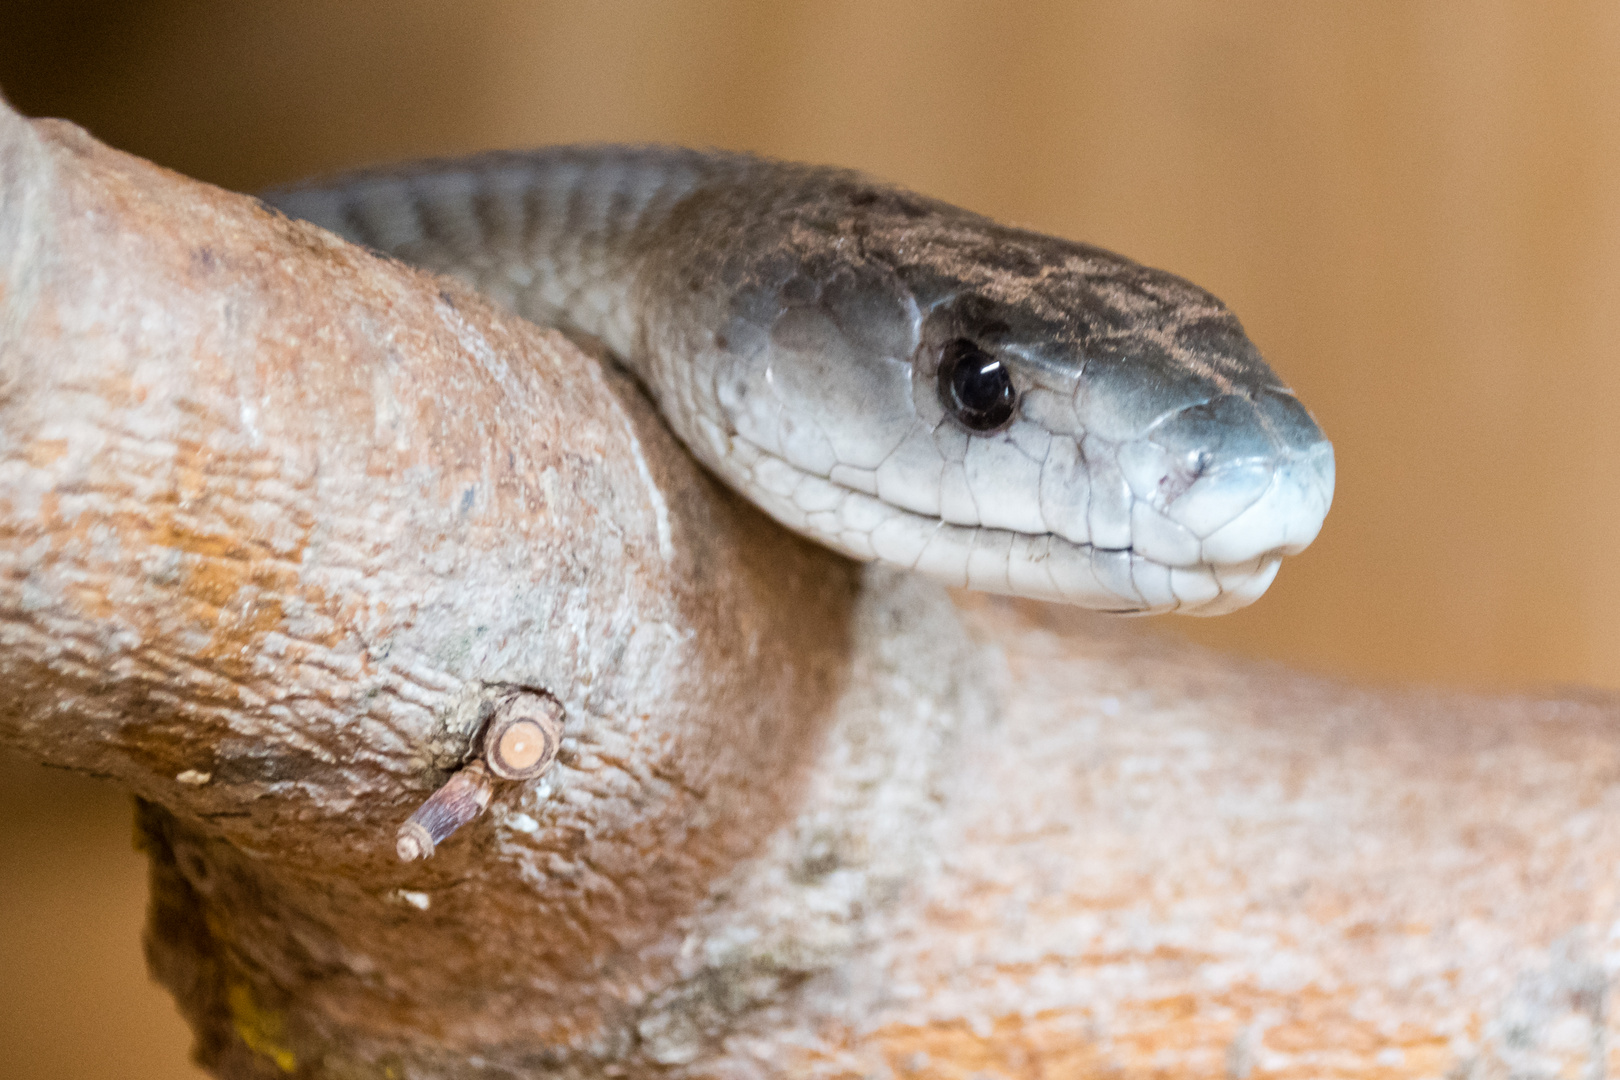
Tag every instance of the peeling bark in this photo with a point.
(282, 524)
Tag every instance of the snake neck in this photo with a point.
(556, 235)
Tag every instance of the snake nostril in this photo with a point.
(1183, 473)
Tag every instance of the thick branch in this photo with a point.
(282, 524)
(278, 518)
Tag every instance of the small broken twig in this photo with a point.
(520, 743)
(463, 797)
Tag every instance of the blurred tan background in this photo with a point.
(1414, 207)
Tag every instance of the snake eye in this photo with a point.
(975, 386)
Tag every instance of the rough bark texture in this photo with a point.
(279, 520)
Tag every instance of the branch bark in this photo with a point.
(282, 524)
(278, 521)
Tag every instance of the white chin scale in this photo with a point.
(1041, 567)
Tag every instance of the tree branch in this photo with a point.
(284, 526)
(280, 519)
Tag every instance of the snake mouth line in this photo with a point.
(1042, 566)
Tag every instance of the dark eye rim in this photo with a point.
(998, 397)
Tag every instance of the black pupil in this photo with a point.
(975, 386)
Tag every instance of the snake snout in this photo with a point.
(1248, 475)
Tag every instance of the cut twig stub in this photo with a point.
(523, 735)
(463, 797)
(519, 743)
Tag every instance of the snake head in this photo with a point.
(896, 377)
(1002, 410)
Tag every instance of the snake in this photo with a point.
(900, 379)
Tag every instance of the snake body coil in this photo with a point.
(895, 377)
